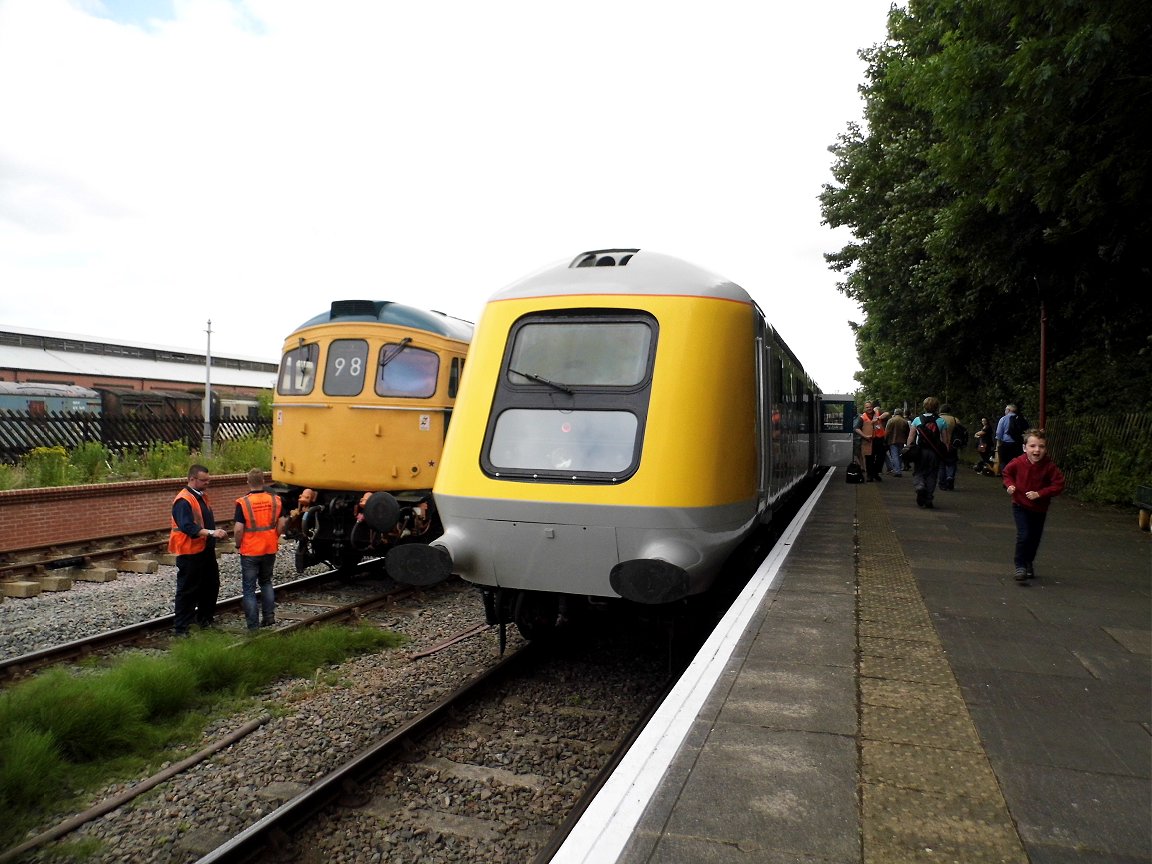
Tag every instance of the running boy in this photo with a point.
(1032, 480)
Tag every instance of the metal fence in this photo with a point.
(21, 431)
(1105, 452)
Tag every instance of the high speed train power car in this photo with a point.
(627, 419)
(363, 398)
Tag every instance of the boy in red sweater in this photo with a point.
(1032, 480)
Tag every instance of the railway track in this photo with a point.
(85, 560)
(477, 757)
(157, 631)
(428, 779)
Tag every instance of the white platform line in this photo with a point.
(608, 823)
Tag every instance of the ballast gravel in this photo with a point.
(556, 729)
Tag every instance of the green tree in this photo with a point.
(1004, 164)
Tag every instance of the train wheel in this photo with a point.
(536, 614)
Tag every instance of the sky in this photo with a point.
(166, 163)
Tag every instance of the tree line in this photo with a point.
(1001, 173)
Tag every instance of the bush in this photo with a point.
(236, 457)
(166, 459)
(11, 477)
(90, 462)
(47, 466)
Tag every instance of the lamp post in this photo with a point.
(1043, 365)
(206, 444)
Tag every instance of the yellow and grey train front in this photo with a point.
(613, 439)
(363, 399)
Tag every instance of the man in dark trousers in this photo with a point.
(193, 541)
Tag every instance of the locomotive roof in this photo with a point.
(624, 271)
(398, 314)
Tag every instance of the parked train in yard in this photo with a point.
(363, 398)
(627, 420)
(37, 414)
(43, 399)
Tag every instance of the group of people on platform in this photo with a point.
(930, 444)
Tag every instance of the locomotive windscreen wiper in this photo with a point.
(404, 343)
(563, 388)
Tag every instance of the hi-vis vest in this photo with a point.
(180, 543)
(261, 513)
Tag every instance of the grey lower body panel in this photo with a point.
(571, 549)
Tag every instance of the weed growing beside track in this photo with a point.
(65, 732)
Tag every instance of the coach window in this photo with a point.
(344, 368)
(406, 371)
(298, 370)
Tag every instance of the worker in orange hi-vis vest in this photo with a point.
(193, 541)
(259, 524)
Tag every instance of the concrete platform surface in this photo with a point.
(891, 694)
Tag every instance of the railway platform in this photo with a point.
(886, 692)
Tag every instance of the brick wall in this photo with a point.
(67, 514)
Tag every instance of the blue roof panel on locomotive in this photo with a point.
(389, 312)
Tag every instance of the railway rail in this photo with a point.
(156, 630)
(441, 746)
(500, 773)
(72, 559)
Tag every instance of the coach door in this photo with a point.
(763, 415)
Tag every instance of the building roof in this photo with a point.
(68, 354)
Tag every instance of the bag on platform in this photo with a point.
(853, 474)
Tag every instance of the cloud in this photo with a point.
(251, 162)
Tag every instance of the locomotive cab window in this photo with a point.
(344, 368)
(406, 371)
(298, 371)
(573, 397)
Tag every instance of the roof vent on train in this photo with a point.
(350, 308)
(604, 258)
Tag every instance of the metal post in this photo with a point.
(206, 444)
(1043, 364)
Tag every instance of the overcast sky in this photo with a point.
(167, 162)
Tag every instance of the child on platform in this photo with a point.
(1032, 480)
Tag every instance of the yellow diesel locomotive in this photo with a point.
(363, 399)
(627, 420)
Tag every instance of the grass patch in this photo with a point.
(62, 733)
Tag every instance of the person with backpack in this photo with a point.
(1010, 435)
(928, 437)
(947, 477)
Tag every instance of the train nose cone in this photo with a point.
(416, 564)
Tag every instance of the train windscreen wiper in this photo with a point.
(404, 343)
(563, 388)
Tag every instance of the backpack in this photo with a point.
(1017, 426)
(959, 436)
(929, 431)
